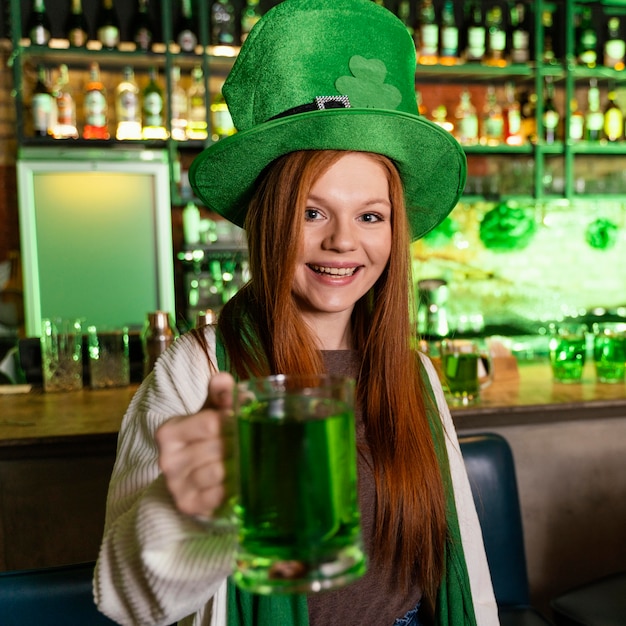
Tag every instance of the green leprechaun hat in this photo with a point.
(329, 74)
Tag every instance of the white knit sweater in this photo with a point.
(157, 566)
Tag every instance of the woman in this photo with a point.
(330, 200)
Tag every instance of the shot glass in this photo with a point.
(61, 355)
(464, 371)
(609, 351)
(568, 350)
(109, 364)
(299, 521)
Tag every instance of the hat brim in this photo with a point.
(431, 162)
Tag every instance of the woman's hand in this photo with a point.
(196, 452)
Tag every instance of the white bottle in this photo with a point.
(127, 108)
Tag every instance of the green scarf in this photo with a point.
(454, 606)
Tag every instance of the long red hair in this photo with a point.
(264, 333)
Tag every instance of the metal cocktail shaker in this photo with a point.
(159, 333)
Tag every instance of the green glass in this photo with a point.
(461, 372)
(568, 352)
(609, 352)
(298, 507)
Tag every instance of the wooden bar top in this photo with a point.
(532, 397)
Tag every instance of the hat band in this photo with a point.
(319, 104)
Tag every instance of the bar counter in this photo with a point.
(36, 417)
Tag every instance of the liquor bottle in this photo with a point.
(142, 29)
(404, 15)
(594, 118)
(221, 121)
(466, 120)
(449, 52)
(178, 107)
(65, 124)
(186, 34)
(528, 107)
(95, 105)
(421, 107)
(427, 34)
(76, 26)
(520, 33)
(223, 23)
(613, 119)
(549, 55)
(152, 126)
(551, 117)
(127, 110)
(440, 117)
(476, 33)
(38, 26)
(586, 39)
(512, 113)
(158, 334)
(108, 26)
(250, 15)
(576, 122)
(614, 45)
(197, 106)
(492, 131)
(496, 37)
(41, 105)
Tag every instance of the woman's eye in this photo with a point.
(311, 214)
(371, 218)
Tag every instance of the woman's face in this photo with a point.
(346, 236)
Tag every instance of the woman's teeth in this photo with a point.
(333, 271)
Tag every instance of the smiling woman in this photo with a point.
(332, 173)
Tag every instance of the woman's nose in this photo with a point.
(340, 237)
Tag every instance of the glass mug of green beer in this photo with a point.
(609, 351)
(464, 370)
(568, 350)
(297, 506)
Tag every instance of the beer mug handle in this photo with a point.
(485, 370)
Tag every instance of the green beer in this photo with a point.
(298, 506)
(461, 372)
(568, 358)
(609, 353)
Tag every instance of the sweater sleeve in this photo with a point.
(483, 597)
(156, 565)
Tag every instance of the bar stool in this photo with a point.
(598, 603)
(491, 471)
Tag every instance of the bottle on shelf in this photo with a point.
(142, 29)
(197, 106)
(127, 109)
(221, 121)
(613, 119)
(38, 26)
(223, 23)
(427, 34)
(178, 107)
(512, 113)
(95, 106)
(492, 130)
(466, 120)
(250, 15)
(547, 23)
(440, 117)
(614, 44)
(108, 26)
(528, 107)
(520, 33)
(586, 38)
(152, 124)
(65, 124)
(404, 15)
(449, 35)
(41, 104)
(576, 122)
(421, 107)
(551, 117)
(186, 33)
(496, 37)
(594, 118)
(76, 27)
(475, 33)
